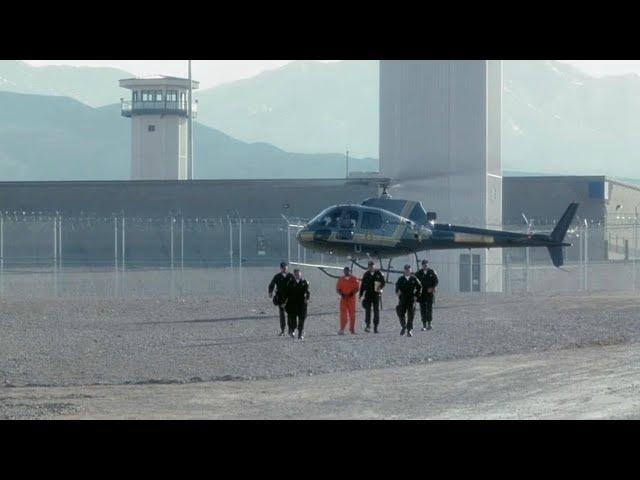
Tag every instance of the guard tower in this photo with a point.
(159, 112)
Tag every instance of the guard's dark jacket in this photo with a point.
(297, 293)
(367, 284)
(428, 279)
(409, 289)
(279, 282)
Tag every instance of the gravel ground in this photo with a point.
(154, 333)
(582, 383)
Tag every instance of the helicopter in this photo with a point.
(383, 227)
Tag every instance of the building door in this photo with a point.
(469, 273)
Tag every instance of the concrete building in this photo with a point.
(609, 207)
(440, 143)
(159, 112)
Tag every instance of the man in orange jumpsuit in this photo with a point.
(348, 287)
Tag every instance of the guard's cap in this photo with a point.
(407, 267)
(283, 264)
(425, 261)
(296, 270)
(371, 262)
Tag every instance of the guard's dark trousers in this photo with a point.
(282, 317)
(426, 309)
(406, 308)
(296, 318)
(369, 302)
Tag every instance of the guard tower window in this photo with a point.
(172, 96)
(151, 128)
(147, 95)
(136, 96)
(158, 95)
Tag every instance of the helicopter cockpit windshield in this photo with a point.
(336, 217)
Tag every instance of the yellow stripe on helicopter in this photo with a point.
(472, 238)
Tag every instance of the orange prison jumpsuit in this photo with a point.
(348, 286)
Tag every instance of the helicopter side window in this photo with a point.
(371, 221)
(332, 218)
(348, 219)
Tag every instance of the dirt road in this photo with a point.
(579, 383)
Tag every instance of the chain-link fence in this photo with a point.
(54, 253)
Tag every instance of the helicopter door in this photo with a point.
(347, 223)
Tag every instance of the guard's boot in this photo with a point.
(367, 329)
(402, 332)
(429, 326)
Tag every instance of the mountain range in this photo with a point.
(556, 120)
(59, 138)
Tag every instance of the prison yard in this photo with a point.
(74, 336)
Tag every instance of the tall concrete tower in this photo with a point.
(159, 141)
(440, 139)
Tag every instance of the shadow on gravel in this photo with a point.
(230, 319)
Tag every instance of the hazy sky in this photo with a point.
(214, 72)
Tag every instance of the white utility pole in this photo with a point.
(347, 177)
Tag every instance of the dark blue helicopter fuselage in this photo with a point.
(360, 230)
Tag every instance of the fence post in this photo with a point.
(60, 240)
(115, 241)
(526, 275)
(55, 241)
(288, 243)
(586, 255)
(171, 220)
(230, 244)
(240, 242)
(182, 243)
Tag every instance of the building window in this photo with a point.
(147, 95)
(158, 95)
(172, 96)
(151, 128)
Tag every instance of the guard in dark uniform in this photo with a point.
(279, 283)
(371, 287)
(297, 298)
(408, 289)
(429, 280)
